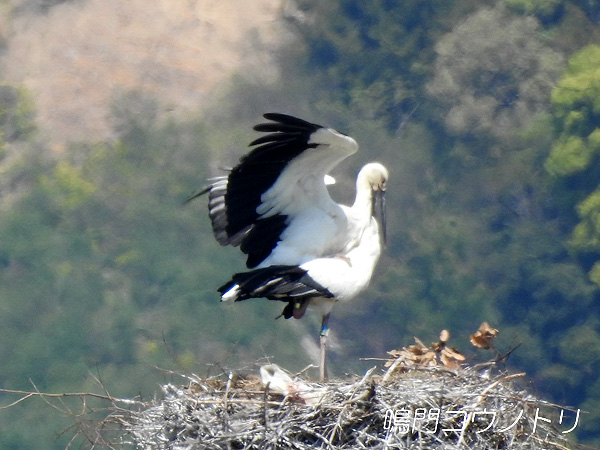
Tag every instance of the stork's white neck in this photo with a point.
(364, 195)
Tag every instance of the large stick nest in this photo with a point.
(423, 397)
(417, 407)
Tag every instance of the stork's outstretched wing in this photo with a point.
(275, 203)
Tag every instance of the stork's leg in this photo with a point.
(323, 342)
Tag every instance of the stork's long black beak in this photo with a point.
(379, 212)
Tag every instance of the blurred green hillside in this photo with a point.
(487, 114)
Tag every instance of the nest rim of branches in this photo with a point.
(391, 409)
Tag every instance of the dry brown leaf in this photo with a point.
(484, 336)
(451, 358)
(428, 359)
(394, 353)
(436, 354)
(414, 355)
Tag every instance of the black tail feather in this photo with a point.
(283, 283)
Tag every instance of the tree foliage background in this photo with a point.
(486, 113)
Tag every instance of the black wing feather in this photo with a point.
(233, 204)
(262, 238)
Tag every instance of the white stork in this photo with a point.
(319, 282)
(275, 205)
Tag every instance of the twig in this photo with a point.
(496, 383)
(27, 394)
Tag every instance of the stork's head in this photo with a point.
(373, 176)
